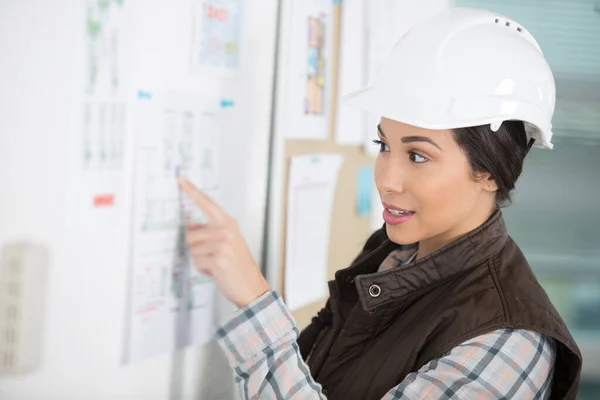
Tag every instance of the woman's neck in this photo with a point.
(428, 246)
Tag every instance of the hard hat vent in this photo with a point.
(508, 23)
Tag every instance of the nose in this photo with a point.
(389, 177)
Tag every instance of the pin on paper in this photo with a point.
(144, 95)
(225, 103)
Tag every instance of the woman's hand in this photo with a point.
(219, 251)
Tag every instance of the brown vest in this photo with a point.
(378, 327)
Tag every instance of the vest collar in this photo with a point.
(380, 288)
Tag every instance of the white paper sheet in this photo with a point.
(170, 303)
(350, 121)
(96, 158)
(309, 70)
(311, 189)
(217, 37)
(381, 38)
(377, 210)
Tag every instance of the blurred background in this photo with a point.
(104, 102)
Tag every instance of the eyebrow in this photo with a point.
(412, 139)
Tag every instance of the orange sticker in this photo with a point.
(104, 200)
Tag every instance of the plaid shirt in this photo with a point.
(260, 342)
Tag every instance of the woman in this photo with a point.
(441, 303)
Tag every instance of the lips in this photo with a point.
(397, 210)
(393, 215)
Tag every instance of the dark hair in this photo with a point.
(499, 153)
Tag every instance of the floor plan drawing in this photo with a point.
(170, 303)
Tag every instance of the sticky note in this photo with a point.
(364, 190)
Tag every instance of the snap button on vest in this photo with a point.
(374, 290)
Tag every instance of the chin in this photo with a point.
(399, 234)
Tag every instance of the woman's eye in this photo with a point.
(417, 158)
(382, 146)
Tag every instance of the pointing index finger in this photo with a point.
(213, 213)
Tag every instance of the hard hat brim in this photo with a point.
(369, 99)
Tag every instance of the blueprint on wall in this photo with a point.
(171, 304)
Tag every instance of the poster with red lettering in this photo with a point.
(217, 36)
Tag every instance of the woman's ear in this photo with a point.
(487, 182)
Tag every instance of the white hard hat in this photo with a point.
(464, 67)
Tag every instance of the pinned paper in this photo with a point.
(377, 210)
(312, 183)
(382, 26)
(170, 303)
(351, 123)
(309, 69)
(364, 191)
(217, 38)
(96, 152)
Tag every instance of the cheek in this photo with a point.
(443, 193)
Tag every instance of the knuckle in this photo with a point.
(232, 223)
(223, 234)
(220, 261)
(223, 247)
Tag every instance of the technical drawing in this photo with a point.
(182, 151)
(171, 303)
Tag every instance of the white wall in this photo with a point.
(88, 274)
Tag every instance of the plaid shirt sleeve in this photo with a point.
(260, 342)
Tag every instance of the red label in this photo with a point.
(106, 200)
